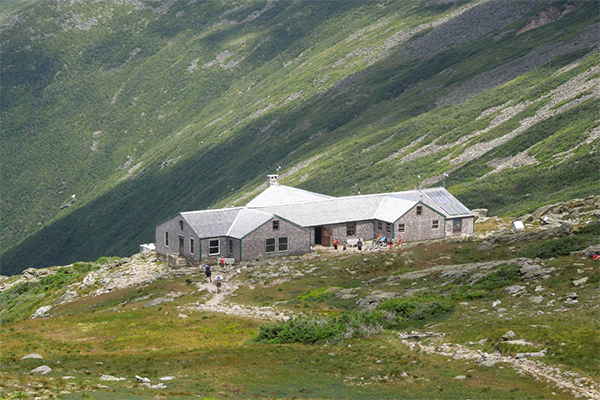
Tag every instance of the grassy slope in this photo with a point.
(140, 84)
(211, 355)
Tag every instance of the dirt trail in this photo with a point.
(564, 380)
(219, 303)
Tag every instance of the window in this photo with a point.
(419, 210)
(192, 246)
(214, 247)
(350, 228)
(435, 224)
(388, 228)
(270, 245)
(379, 225)
(456, 225)
(166, 239)
(401, 227)
(283, 244)
(181, 225)
(275, 225)
(230, 246)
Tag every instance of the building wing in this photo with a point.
(247, 221)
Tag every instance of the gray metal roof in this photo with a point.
(233, 222)
(248, 220)
(439, 199)
(312, 209)
(277, 195)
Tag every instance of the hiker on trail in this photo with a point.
(219, 282)
(359, 244)
(335, 244)
(344, 247)
(222, 262)
(208, 272)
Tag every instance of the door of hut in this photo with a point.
(325, 235)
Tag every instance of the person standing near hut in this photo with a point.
(359, 244)
(208, 273)
(219, 282)
(335, 244)
(400, 242)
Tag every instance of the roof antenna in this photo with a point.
(445, 175)
(420, 183)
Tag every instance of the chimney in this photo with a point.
(273, 179)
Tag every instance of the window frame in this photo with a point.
(455, 225)
(435, 224)
(210, 247)
(191, 245)
(276, 225)
(229, 246)
(379, 225)
(388, 227)
(268, 245)
(166, 238)
(287, 244)
(401, 228)
(419, 210)
(351, 229)
(181, 224)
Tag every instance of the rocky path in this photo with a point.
(219, 302)
(564, 380)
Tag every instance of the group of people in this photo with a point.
(218, 279)
(381, 240)
(336, 243)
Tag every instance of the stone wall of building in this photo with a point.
(420, 227)
(466, 224)
(254, 245)
(175, 230)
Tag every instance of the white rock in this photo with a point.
(580, 281)
(42, 370)
(40, 312)
(110, 378)
(167, 378)
(32, 355)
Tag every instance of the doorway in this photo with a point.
(322, 236)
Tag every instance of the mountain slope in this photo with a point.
(143, 109)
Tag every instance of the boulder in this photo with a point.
(42, 370)
(370, 302)
(479, 213)
(514, 290)
(530, 271)
(487, 363)
(534, 354)
(111, 378)
(157, 301)
(536, 299)
(32, 355)
(508, 335)
(527, 218)
(485, 246)
(66, 297)
(580, 281)
(40, 312)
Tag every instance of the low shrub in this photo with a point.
(389, 314)
(416, 308)
(506, 275)
(586, 236)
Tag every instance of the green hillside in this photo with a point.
(436, 320)
(141, 109)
